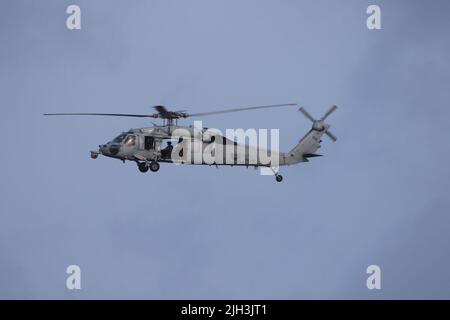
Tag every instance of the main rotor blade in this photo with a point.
(103, 114)
(332, 109)
(330, 135)
(306, 114)
(239, 109)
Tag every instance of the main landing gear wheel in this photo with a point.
(279, 177)
(154, 166)
(143, 167)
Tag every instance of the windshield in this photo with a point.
(120, 138)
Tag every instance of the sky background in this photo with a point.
(379, 196)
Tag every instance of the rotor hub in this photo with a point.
(319, 125)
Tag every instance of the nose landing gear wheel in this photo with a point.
(154, 166)
(279, 177)
(143, 167)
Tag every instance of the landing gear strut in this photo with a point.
(154, 166)
(143, 167)
(278, 177)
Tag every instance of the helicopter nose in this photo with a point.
(103, 148)
(114, 149)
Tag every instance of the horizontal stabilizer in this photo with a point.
(311, 155)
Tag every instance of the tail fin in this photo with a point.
(310, 143)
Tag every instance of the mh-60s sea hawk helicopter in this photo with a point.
(144, 145)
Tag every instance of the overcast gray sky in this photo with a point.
(379, 196)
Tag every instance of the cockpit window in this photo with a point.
(130, 140)
(120, 138)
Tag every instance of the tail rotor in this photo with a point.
(320, 124)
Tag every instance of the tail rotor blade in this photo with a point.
(306, 114)
(332, 109)
(331, 136)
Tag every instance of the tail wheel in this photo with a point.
(279, 177)
(143, 167)
(154, 166)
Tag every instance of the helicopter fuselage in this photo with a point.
(191, 146)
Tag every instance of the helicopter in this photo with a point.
(144, 146)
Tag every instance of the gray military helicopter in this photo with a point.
(144, 145)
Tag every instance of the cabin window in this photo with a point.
(130, 140)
